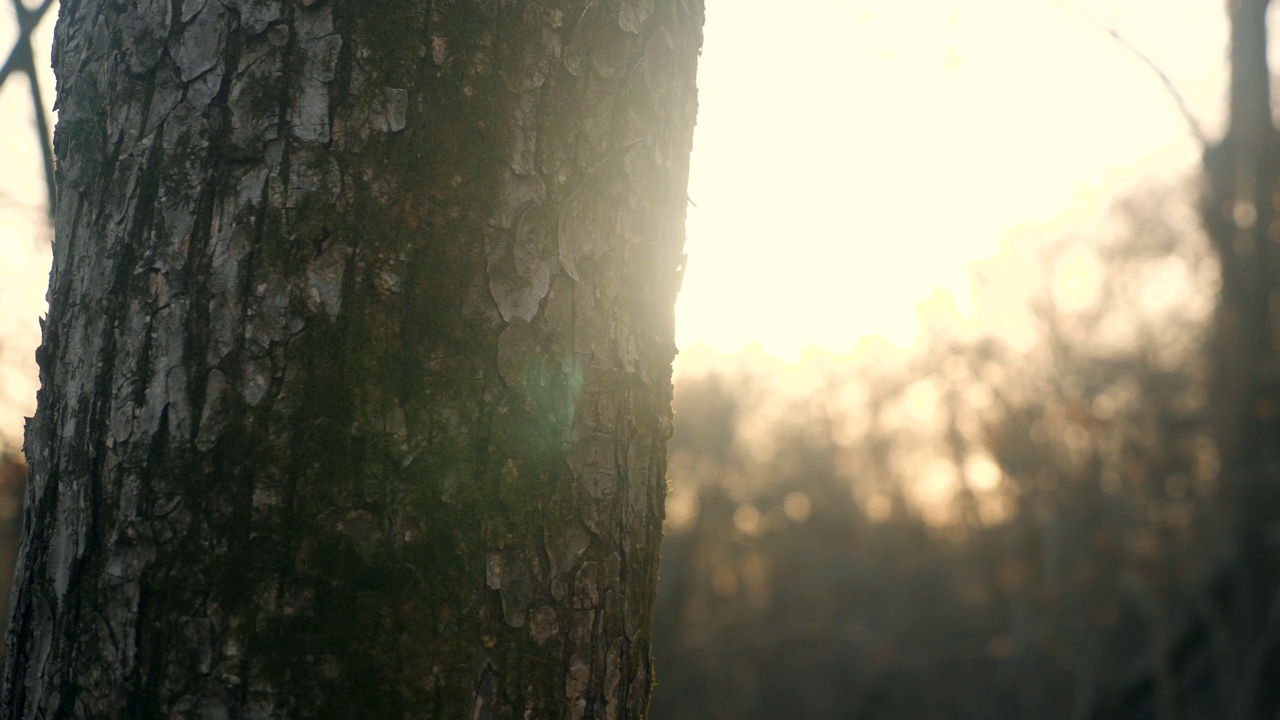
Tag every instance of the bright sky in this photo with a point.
(852, 156)
(24, 238)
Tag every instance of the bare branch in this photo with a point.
(22, 59)
(1083, 19)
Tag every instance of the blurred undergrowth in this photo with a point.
(970, 529)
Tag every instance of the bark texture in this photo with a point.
(356, 376)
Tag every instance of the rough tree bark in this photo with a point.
(356, 375)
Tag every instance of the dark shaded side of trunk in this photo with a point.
(356, 376)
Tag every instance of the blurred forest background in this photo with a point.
(971, 532)
(1084, 524)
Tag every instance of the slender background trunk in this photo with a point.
(1242, 216)
(356, 376)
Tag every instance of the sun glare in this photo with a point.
(854, 157)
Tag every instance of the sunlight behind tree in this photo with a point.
(854, 157)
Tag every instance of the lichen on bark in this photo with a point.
(356, 376)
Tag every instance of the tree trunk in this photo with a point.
(356, 376)
(1242, 217)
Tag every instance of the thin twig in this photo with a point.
(1081, 18)
(22, 59)
(42, 130)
